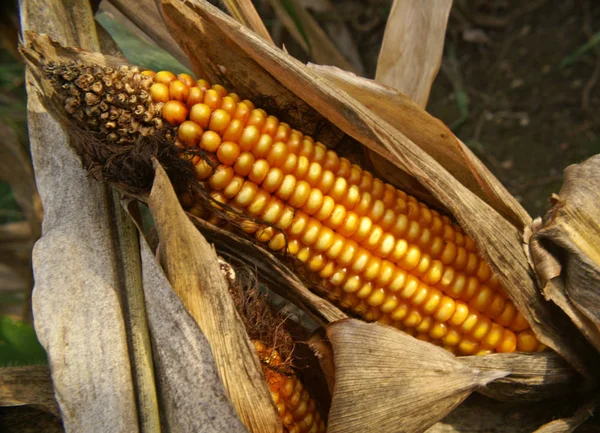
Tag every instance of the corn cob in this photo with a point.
(294, 404)
(377, 250)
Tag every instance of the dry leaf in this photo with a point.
(412, 47)
(245, 13)
(28, 386)
(566, 248)
(317, 43)
(192, 394)
(80, 304)
(192, 268)
(388, 381)
(533, 376)
(225, 46)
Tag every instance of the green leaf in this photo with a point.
(19, 344)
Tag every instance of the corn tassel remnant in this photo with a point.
(378, 251)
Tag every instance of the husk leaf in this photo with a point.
(317, 43)
(245, 13)
(387, 381)
(235, 55)
(192, 268)
(565, 248)
(76, 233)
(533, 376)
(192, 395)
(30, 385)
(411, 51)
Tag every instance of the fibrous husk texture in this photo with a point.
(565, 248)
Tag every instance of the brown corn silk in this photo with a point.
(376, 250)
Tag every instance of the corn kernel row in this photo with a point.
(295, 406)
(382, 253)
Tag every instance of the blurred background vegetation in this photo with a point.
(518, 84)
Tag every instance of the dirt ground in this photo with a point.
(528, 115)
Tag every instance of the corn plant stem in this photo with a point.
(132, 295)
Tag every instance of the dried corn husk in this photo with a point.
(532, 377)
(565, 248)
(191, 266)
(30, 385)
(76, 232)
(411, 51)
(387, 381)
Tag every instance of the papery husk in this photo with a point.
(317, 43)
(413, 42)
(31, 385)
(533, 376)
(192, 395)
(388, 381)
(192, 268)
(565, 248)
(230, 53)
(74, 261)
(245, 13)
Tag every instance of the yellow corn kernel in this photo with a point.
(379, 250)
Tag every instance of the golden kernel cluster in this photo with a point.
(379, 252)
(295, 406)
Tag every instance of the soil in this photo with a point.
(528, 116)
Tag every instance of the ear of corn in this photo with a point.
(294, 404)
(378, 251)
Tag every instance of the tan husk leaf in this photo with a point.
(388, 381)
(217, 43)
(192, 395)
(318, 44)
(76, 296)
(533, 376)
(565, 248)
(245, 12)
(190, 263)
(431, 135)
(31, 385)
(411, 51)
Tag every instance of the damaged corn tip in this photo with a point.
(294, 404)
(380, 253)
